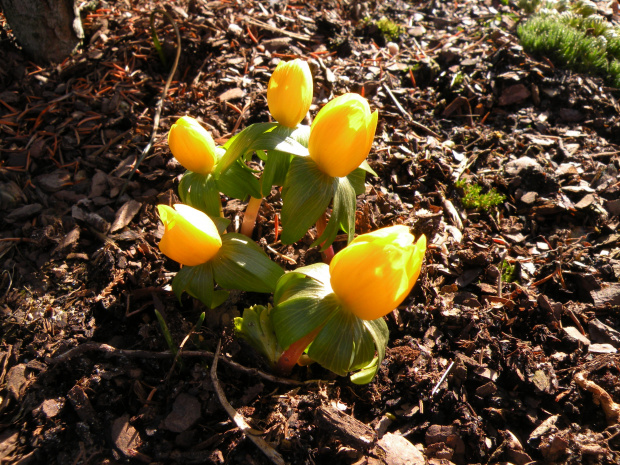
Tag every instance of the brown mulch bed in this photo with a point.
(506, 349)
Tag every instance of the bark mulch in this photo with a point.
(506, 349)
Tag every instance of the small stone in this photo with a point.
(185, 412)
(399, 451)
(23, 213)
(600, 332)
(574, 335)
(585, 202)
(613, 207)
(486, 389)
(602, 349)
(126, 438)
(234, 30)
(51, 407)
(529, 198)
(392, 48)
(55, 181)
(520, 165)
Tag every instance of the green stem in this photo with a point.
(321, 224)
(289, 357)
(249, 218)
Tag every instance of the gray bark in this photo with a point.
(47, 30)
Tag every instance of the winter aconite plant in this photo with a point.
(332, 311)
(231, 260)
(335, 312)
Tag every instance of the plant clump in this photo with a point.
(572, 35)
(474, 198)
(390, 29)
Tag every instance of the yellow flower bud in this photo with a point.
(342, 134)
(191, 237)
(192, 145)
(376, 271)
(289, 93)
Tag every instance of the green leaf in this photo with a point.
(166, 332)
(318, 271)
(366, 167)
(197, 281)
(380, 334)
(357, 178)
(339, 342)
(238, 182)
(274, 173)
(242, 264)
(256, 328)
(219, 297)
(201, 192)
(201, 320)
(343, 213)
(303, 304)
(306, 195)
(221, 223)
(285, 139)
(261, 136)
(239, 145)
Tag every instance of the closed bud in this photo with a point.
(342, 134)
(192, 145)
(289, 93)
(376, 271)
(191, 238)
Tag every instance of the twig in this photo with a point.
(408, 116)
(572, 316)
(442, 379)
(160, 104)
(611, 409)
(130, 353)
(266, 449)
(18, 239)
(282, 256)
(293, 35)
(545, 279)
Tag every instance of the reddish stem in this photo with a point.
(321, 224)
(249, 218)
(289, 357)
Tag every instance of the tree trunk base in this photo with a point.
(47, 30)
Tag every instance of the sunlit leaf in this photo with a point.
(197, 281)
(303, 305)
(242, 264)
(255, 327)
(306, 194)
(379, 331)
(201, 192)
(238, 182)
(343, 213)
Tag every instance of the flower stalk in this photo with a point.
(290, 356)
(249, 218)
(328, 253)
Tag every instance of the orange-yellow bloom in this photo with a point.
(192, 145)
(342, 134)
(289, 93)
(376, 271)
(191, 237)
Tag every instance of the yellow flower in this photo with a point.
(342, 134)
(192, 145)
(191, 237)
(376, 271)
(289, 93)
